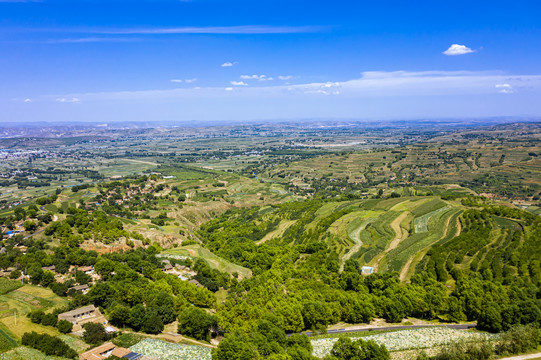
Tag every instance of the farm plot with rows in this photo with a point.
(164, 350)
(407, 339)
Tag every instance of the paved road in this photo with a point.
(523, 357)
(42, 230)
(37, 232)
(399, 327)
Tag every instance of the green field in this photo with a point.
(24, 300)
(215, 262)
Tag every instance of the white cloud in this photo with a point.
(176, 80)
(69, 100)
(227, 64)
(505, 88)
(285, 77)
(189, 81)
(27, 100)
(228, 89)
(457, 49)
(256, 77)
(250, 77)
(238, 83)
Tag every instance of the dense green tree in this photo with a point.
(94, 333)
(196, 323)
(153, 323)
(234, 348)
(64, 326)
(490, 319)
(346, 349)
(138, 315)
(49, 345)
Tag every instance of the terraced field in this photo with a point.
(417, 242)
(389, 234)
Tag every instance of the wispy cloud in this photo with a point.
(457, 49)
(92, 39)
(369, 85)
(27, 100)
(68, 100)
(227, 64)
(285, 77)
(247, 29)
(187, 81)
(238, 83)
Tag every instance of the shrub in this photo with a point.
(49, 345)
(36, 316)
(518, 340)
(64, 326)
(49, 320)
(360, 349)
(460, 350)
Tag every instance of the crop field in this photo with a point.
(7, 340)
(422, 338)
(25, 353)
(214, 261)
(412, 245)
(7, 285)
(74, 342)
(24, 300)
(165, 350)
(466, 162)
(388, 234)
(421, 222)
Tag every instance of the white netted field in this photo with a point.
(164, 350)
(406, 339)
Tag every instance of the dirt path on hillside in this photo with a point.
(400, 234)
(356, 237)
(282, 227)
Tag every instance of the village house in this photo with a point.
(83, 315)
(86, 269)
(82, 288)
(107, 350)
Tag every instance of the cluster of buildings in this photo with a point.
(109, 349)
(182, 272)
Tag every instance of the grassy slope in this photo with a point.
(216, 262)
(24, 300)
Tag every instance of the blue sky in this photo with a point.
(197, 60)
